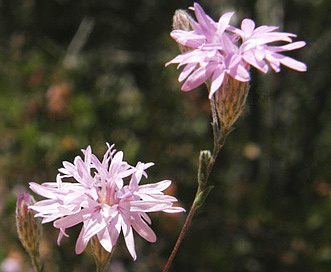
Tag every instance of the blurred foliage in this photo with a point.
(78, 73)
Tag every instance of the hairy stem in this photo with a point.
(220, 134)
(101, 256)
(180, 237)
(36, 262)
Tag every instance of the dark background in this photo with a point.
(62, 89)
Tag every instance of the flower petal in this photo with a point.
(143, 229)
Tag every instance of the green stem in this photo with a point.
(195, 205)
(101, 256)
(201, 194)
(180, 237)
(101, 268)
(36, 262)
(220, 133)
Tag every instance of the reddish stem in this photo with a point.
(180, 237)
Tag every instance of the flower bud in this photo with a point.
(182, 21)
(204, 159)
(28, 227)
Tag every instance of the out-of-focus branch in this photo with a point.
(77, 43)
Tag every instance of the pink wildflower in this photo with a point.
(99, 199)
(217, 49)
(255, 51)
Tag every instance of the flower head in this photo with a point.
(99, 199)
(218, 49)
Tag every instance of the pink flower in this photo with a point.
(255, 51)
(100, 200)
(213, 53)
(217, 49)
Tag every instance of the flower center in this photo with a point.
(107, 195)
